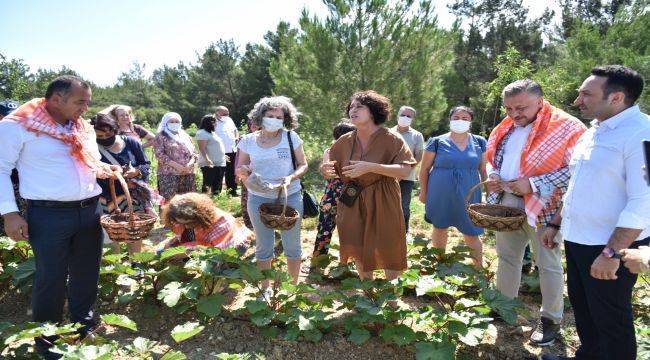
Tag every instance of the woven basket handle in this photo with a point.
(468, 198)
(283, 189)
(125, 187)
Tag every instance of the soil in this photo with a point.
(237, 336)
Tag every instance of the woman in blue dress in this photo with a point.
(451, 165)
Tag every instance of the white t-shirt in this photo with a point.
(227, 132)
(512, 153)
(273, 163)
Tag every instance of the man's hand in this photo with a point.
(16, 227)
(605, 268)
(520, 186)
(109, 172)
(636, 260)
(358, 168)
(494, 184)
(328, 170)
(548, 238)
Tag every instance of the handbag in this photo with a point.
(309, 204)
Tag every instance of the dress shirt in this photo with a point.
(512, 156)
(227, 131)
(607, 189)
(47, 170)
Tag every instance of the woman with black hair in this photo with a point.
(212, 159)
(126, 152)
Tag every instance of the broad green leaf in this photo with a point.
(85, 352)
(304, 324)
(119, 320)
(183, 332)
(211, 305)
(399, 334)
(504, 306)
(359, 336)
(174, 355)
(143, 257)
(172, 252)
(434, 351)
(142, 346)
(254, 306)
(171, 293)
(313, 335)
(262, 318)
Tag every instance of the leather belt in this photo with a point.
(65, 204)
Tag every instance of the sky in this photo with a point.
(101, 39)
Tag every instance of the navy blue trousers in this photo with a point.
(67, 244)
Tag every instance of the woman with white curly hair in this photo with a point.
(266, 154)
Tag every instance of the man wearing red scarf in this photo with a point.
(528, 155)
(57, 158)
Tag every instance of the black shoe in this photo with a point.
(545, 332)
(554, 357)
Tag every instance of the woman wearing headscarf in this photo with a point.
(176, 157)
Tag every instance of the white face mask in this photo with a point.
(459, 126)
(404, 121)
(174, 127)
(272, 124)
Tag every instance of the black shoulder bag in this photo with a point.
(309, 205)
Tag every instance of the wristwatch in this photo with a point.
(610, 253)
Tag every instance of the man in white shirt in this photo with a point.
(606, 210)
(528, 155)
(57, 157)
(415, 141)
(227, 131)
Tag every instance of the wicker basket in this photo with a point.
(123, 227)
(494, 217)
(279, 216)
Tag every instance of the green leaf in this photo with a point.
(174, 355)
(270, 331)
(434, 351)
(504, 306)
(183, 332)
(304, 324)
(143, 257)
(359, 336)
(313, 335)
(176, 250)
(119, 320)
(171, 293)
(142, 346)
(85, 352)
(211, 305)
(472, 337)
(399, 334)
(433, 285)
(255, 306)
(262, 318)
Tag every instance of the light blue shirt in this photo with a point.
(607, 189)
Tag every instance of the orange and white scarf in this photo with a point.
(35, 118)
(547, 149)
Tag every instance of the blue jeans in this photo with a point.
(406, 187)
(265, 237)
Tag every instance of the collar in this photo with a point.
(615, 120)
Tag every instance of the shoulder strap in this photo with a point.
(481, 144)
(108, 155)
(293, 156)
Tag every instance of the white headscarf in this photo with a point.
(182, 137)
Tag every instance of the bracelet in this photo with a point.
(554, 226)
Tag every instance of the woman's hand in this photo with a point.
(423, 196)
(243, 172)
(286, 181)
(131, 172)
(209, 162)
(358, 168)
(328, 169)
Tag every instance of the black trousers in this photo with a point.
(602, 308)
(406, 188)
(67, 244)
(231, 183)
(212, 178)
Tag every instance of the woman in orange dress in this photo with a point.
(370, 161)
